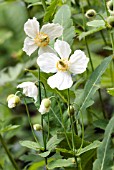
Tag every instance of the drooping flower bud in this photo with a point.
(110, 7)
(37, 127)
(90, 13)
(71, 110)
(110, 21)
(13, 100)
(45, 106)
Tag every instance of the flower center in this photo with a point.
(41, 39)
(62, 64)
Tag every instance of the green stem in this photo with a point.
(29, 119)
(103, 37)
(8, 153)
(44, 4)
(106, 7)
(40, 99)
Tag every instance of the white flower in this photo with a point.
(29, 89)
(63, 66)
(13, 100)
(45, 106)
(37, 37)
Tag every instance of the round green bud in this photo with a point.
(37, 127)
(90, 13)
(13, 100)
(71, 110)
(47, 103)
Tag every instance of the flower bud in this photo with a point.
(110, 7)
(90, 13)
(45, 106)
(13, 100)
(71, 110)
(37, 127)
(110, 21)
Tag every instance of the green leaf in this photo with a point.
(84, 34)
(91, 85)
(100, 123)
(96, 23)
(105, 153)
(93, 145)
(60, 163)
(44, 154)
(111, 91)
(31, 145)
(50, 11)
(53, 142)
(9, 128)
(4, 35)
(63, 17)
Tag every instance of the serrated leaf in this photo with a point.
(63, 17)
(96, 23)
(85, 34)
(9, 128)
(93, 145)
(60, 163)
(53, 142)
(105, 153)
(50, 11)
(31, 145)
(91, 85)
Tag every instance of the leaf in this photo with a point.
(63, 17)
(9, 128)
(31, 145)
(100, 123)
(92, 31)
(96, 23)
(44, 154)
(111, 91)
(50, 11)
(91, 85)
(105, 153)
(53, 142)
(4, 35)
(60, 163)
(93, 145)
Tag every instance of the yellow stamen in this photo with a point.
(62, 64)
(41, 39)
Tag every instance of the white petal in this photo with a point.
(52, 30)
(61, 80)
(29, 89)
(47, 62)
(46, 49)
(78, 62)
(29, 46)
(62, 48)
(31, 27)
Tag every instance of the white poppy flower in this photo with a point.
(45, 106)
(13, 100)
(29, 89)
(63, 66)
(40, 37)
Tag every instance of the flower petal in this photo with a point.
(61, 80)
(46, 49)
(29, 89)
(47, 62)
(62, 48)
(78, 62)
(29, 46)
(31, 27)
(52, 30)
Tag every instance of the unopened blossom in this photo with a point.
(40, 38)
(63, 66)
(45, 106)
(29, 89)
(37, 127)
(13, 100)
